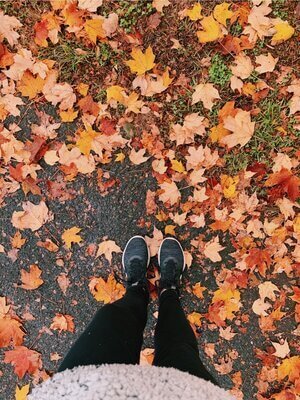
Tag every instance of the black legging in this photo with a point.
(115, 335)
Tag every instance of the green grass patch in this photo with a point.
(130, 13)
(219, 73)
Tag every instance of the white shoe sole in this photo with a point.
(134, 237)
(158, 256)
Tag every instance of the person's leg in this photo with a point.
(175, 342)
(115, 334)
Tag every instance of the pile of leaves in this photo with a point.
(205, 95)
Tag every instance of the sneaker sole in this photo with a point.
(158, 255)
(134, 237)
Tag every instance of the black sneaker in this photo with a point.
(171, 263)
(135, 261)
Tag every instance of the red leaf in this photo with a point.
(24, 360)
(260, 258)
(286, 182)
(107, 126)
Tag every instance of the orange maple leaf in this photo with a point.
(31, 280)
(11, 331)
(30, 86)
(24, 360)
(108, 291)
(286, 182)
(63, 322)
(260, 258)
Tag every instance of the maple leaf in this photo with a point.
(160, 4)
(94, 29)
(108, 291)
(198, 290)
(154, 242)
(212, 249)
(21, 393)
(296, 296)
(33, 216)
(243, 66)
(206, 93)
(71, 236)
(108, 247)
(170, 193)
(260, 258)
(63, 322)
(282, 349)
(222, 13)
(211, 30)
(24, 360)
(194, 318)
(267, 289)
(10, 103)
(89, 5)
(85, 141)
(141, 62)
(138, 157)
(284, 31)
(267, 63)
(226, 333)
(7, 26)
(30, 86)
(228, 184)
(241, 127)
(63, 282)
(147, 356)
(287, 182)
(69, 115)
(31, 280)
(194, 13)
(193, 124)
(290, 368)
(260, 307)
(11, 331)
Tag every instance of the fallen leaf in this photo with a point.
(30, 86)
(160, 4)
(31, 280)
(267, 289)
(282, 350)
(243, 66)
(194, 318)
(89, 5)
(267, 63)
(69, 115)
(108, 247)
(11, 331)
(63, 322)
(138, 157)
(70, 236)
(23, 360)
(222, 13)
(170, 193)
(211, 30)
(147, 356)
(206, 93)
(141, 62)
(8, 25)
(241, 127)
(194, 13)
(198, 290)
(108, 291)
(94, 30)
(212, 249)
(290, 368)
(284, 31)
(33, 216)
(21, 393)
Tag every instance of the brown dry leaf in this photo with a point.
(170, 193)
(8, 25)
(71, 236)
(138, 157)
(31, 280)
(17, 241)
(267, 289)
(241, 127)
(63, 322)
(107, 247)
(212, 249)
(160, 4)
(89, 5)
(108, 291)
(282, 349)
(63, 282)
(33, 216)
(206, 93)
(243, 66)
(226, 333)
(267, 63)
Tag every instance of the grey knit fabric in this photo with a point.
(122, 382)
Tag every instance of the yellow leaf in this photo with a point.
(21, 393)
(211, 30)
(296, 224)
(289, 367)
(84, 143)
(108, 291)
(94, 30)
(120, 157)
(218, 132)
(166, 78)
(69, 115)
(284, 31)
(170, 230)
(106, 248)
(195, 318)
(177, 166)
(82, 88)
(141, 62)
(70, 236)
(115, 93)
(30, 86)
(132, 103)
(231, 299)
(194, 13)
(222, 13)
(228, 184)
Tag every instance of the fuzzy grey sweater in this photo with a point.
(122, 382)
